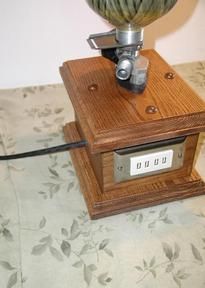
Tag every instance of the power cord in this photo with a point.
(45, 151)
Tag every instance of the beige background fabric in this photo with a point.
(46, 237)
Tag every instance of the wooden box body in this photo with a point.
(110, 117)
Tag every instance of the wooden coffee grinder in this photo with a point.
(141, 121)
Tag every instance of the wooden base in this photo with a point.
(126, 198)
(109, 118)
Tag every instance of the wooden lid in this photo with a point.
(111, 117)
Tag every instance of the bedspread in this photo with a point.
(46, 237)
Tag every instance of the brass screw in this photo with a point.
(169, 75)
(151, 109)
(93, 87)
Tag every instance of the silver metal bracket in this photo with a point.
(109, 40)
(122, 47)
(149, 159)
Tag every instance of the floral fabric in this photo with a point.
(46, 237)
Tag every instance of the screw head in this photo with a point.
(169, 75)
(120, 168)
(151, 109)
(93, 87)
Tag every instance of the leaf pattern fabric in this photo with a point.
(46, 236)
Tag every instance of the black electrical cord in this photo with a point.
(45, 151)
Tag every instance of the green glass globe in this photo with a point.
(133, 13)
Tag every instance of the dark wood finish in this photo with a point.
(110, 117)
(127, 197)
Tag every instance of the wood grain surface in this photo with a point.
(112, 117)
(128, 197)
